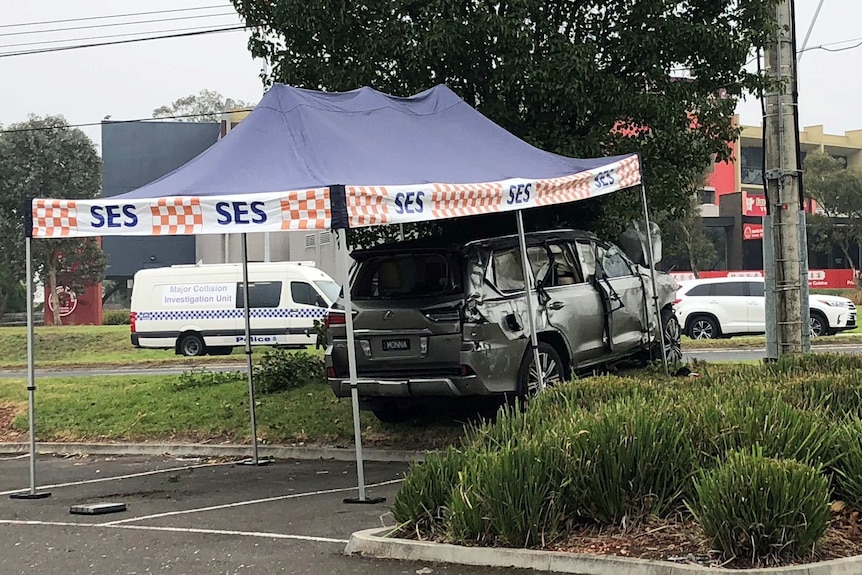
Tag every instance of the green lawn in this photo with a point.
(160, 408)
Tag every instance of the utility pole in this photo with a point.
(784, 232)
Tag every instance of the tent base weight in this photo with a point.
(251, 461)
(366, 501)
(28, 495)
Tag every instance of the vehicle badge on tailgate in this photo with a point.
(387, 314)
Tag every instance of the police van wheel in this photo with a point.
(191, 345)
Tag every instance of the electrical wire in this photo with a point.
(118, 42)
(133, 121)
(115, 24)
(106, 36)
(105, 17)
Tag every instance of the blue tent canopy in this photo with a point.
(317, 160)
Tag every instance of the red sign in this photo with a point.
(68, 301)
(829, 279)
(752, 231)
(753, 205)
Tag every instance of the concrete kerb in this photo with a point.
(375, 543)
(206, 450)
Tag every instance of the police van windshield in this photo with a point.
(329, 288)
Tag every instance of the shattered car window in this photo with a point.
(614, 264)
(506, 272)
(407, 275)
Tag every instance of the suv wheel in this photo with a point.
(818, 324)
(672, 335)
(552, 370)
(703, 327)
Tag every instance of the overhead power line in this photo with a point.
(116, 24)
(103, 37)
(117, 42)
(105, 17)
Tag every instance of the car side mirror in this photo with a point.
(634, 244)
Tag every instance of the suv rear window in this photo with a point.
(407, 276)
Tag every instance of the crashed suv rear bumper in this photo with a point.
(406, 387)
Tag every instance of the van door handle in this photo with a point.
(556, 305)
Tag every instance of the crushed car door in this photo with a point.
(573, 306)
(621, 291)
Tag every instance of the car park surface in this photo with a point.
(195, 517)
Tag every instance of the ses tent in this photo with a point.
(304, 160)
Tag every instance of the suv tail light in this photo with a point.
(132, 317)
(677, 300)
(333, 318)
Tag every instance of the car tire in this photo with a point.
(191, 345)
(553, 370)
(672, 334)
(220, 350)
(391, 412)
(703, 327)
(817, 321)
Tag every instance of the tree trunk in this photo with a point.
(53, 296)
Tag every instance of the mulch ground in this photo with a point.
(8, 413)
(682, 541)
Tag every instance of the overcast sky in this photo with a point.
(129, 81)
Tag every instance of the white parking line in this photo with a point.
(116, 477)
(243, 503)
(261, 534)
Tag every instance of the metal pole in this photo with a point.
(808, 33)
(31, 379)
(249, 364)
(652, 280)
(352, 372)
(528, 294)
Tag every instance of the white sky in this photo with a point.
(129, 81)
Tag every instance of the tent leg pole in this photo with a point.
(352, 372)
(528, 293)
(31, 379)
(255, 459)
(652, 279)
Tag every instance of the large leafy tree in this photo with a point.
(838, 192)
(686, 241)
(205, 106)
(582, 78)
(43, 157)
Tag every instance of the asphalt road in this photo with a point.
(709, 355)
(196, 518)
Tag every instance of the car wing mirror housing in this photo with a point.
(633, 242)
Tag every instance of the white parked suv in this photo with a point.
(722, 307)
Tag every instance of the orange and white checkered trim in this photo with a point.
(629, 172)
(306, 210)
(54, 218)
(366, 205)
(455, 200)
(177, 216)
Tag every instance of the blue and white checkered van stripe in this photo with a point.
(199, 314)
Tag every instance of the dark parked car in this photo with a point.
(450, 320)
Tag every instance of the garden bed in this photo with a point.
(744, 466)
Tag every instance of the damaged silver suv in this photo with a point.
(436, 320)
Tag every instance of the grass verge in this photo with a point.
(159, 408)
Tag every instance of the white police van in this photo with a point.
(198, 309)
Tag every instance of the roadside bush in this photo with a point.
(638, 460)
(116, 317)
(426, 489)
(838, 396)
(762, 509)
(205, 378)
(515, 496)
(736, 417)
(280, 370)
(847, 469)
